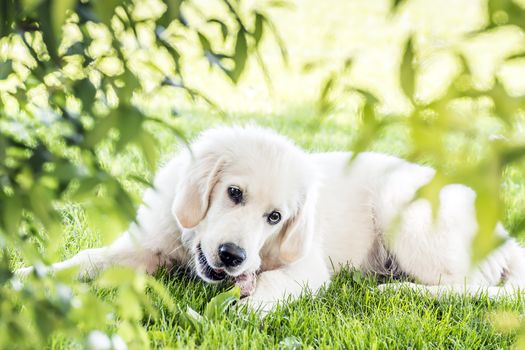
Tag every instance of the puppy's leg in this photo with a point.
(500, 275)
(125, 251)
(287, 282)
(435, 248)
(437, 251)
(152, 241)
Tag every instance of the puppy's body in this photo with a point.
(332, 212)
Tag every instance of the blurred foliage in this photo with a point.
(70, 90)
(447, 132)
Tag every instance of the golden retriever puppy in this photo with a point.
(247, 204)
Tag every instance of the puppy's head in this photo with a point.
(247, 195)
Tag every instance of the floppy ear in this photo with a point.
(193, 193)
(297, 235)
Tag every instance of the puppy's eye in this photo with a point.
(274, 217)
(235, 194)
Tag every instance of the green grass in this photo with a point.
(351, 313)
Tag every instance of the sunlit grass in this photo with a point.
(351, 313)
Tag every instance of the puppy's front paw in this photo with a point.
(258, 306)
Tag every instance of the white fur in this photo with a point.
(335, 213)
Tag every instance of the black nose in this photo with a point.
(231, 254)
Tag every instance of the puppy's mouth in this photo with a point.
(209, 272)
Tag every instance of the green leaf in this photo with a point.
(323, 101)
(281, 4)
(512, 154)
(7, 17)
(259, 27)
(48, 31)
(129, 124)
(6, 67)
(125, 202)
(506, 12)
(516, 56)
(116, 277)
(518, 226)
(174, 54)
(85, 90)
(12, 214)
(488, 212)
(103, 216)
(77, 48)
(396, 4)
(65, 171)
(105, 9)
(432, 190)
(427, 138)
(240, 55)
(407, 75)
(172, 12)
(60, 9)
(141, 180)
(130, 84)
(218, 305)
(192, 319)
(280, 42)
(5, 272)
(205, 43)
(370, 98)
(129, 304)
(357, 276)
(147, 143)
(222, 25)
(92, 313)
(46, 316)
(86, 189)
(370, 125)
(369, 109)
(101, 129)
(506, 107)
(40, 197)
